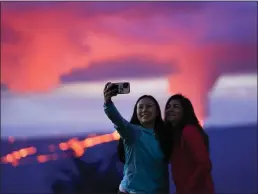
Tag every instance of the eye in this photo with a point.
(140, 107)
(176, 106)
(168, 106)
(149, 106)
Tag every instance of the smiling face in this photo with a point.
(174, 112)
(146, 111)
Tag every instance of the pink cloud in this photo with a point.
(54, 39)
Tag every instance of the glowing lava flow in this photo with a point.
(74, 144)
(17, 155)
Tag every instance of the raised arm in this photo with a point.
(123, 127)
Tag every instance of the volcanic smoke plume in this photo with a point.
(41, 41)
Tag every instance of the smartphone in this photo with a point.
(122, 87)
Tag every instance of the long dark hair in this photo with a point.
(159, 129)
(189, 118)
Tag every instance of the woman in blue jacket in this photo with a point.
(145, 145)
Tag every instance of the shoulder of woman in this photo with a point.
(137, 129)
(190, 129)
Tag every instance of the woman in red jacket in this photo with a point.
(190, 161)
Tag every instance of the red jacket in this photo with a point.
(191, 165)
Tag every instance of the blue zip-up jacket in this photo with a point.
(145, 170)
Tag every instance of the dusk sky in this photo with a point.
(45, 44)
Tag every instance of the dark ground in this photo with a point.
(233, 153)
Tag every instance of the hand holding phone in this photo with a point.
(112, 89)
(121, 87)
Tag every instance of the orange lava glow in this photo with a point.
(74, 144)
(17, 155)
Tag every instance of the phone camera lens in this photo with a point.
(125, 85)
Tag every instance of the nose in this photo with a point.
(144, 109)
